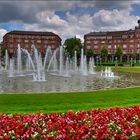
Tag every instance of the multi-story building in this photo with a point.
(26, 39)
(128, 40)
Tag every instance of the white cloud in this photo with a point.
(111, 15)
(114, 20)
(2, 33)
(103, 20)
(50, 19)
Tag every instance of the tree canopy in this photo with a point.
(73, 44)
(90, 52)
(119, 52)
(104, 52)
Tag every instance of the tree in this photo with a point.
(104, 53)
(73, 44)
(3, 49)
(89, 53)
(118, 52)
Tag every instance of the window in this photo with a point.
(88, 47)
(26, 41)
(32, 41)
(131, 40)
(18, 40)
(109, 46)
(11, 50)
(11, 45)
(102, 41)
(109, 37)
(119, 41)
(138, 40)
(131, 46)
(26, 46)
(45, 41)
(124, 46)
(124, 52)
(117, 37)
(90, 37)
(38, 41)
(53, 46)
(11, 40)
(95, 42)
(124, 36)
(124, 41)
(95, 46)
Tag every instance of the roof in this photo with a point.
(109, 33)
(16, 32)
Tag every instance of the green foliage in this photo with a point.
(119, 52)
(133, 55)
(3, 49)
(73, 44)
(90, 52)
(104, 52)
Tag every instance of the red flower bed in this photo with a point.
(114, 123)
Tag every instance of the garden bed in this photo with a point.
(114, 123)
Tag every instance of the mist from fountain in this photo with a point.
(107, 73)
(11, 68)
(61, 67)
(34, 64)
(48, 53)
(39, 76)
(83, 64)
(75, 61)
(19, 61)
(53, 62)
(91, 66)
(67, 67)
(6, 60)
(29, 60)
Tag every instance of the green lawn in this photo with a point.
(127, 69)
(27, 103)
(121, 69)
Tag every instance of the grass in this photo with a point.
(127, 69)
(50, 103)
(122, 69)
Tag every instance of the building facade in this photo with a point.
(26, 39)
(129, 41)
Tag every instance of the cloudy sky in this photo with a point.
(68, 18)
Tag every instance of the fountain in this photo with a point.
(107, 73)
(91, 66)
(6, 60)
(19, 62)
(11, 68)
(62, 73)
(75, 61)
(83, 64)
